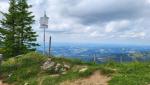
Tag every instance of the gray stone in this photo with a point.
(64, 73)
(66, 66)
(10, 75)
(58, 65)
(26, 83)
(83, 69)
(55, 67)
(48, 64)
(63, 70)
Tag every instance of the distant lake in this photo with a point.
(102, 53)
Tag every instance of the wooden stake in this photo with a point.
(50, 45)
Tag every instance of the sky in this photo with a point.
(92, 21)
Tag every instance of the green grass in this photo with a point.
(26, 69)
(22, 68)
(135, 73)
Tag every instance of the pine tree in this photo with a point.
(8, 29)
(27, 35)
(16, 31)
(1, 37)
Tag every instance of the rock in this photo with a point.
(55, 75)
(58, 65)
(49, 59)
(10, 75)
(66, 66)
(26, 83)
(54, 67)
(83, 69)
(47, 64)
(64, 73)
(114, 70)
(51, 64)
(63, 70)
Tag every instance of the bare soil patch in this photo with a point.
(1, 83)
(96, 79)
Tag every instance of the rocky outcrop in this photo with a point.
(53, 67)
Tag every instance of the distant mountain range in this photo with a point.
(102, 53)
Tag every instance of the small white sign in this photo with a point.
(44, 22)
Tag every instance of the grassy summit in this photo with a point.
(26, 69)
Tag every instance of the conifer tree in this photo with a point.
(26, 34)
(16, 30)
(8, 29)
(1, 37)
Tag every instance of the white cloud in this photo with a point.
(3, 8)
(148, 1)
(92, 20)
(114, 26)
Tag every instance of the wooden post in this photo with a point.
(50, 39)
(94, 56)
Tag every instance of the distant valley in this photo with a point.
(102, 53)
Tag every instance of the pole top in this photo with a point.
(45, 14)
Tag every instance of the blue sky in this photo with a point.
(92, 21)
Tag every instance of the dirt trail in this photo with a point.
(96, 79)
(1, 83)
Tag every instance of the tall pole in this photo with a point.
(44, 25)
(50, 39)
